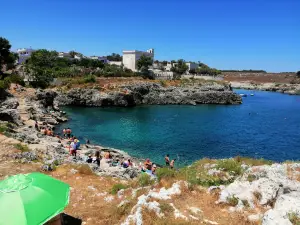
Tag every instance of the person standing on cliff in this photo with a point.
(167, 160)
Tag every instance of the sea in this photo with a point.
(266, 125)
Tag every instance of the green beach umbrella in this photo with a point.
(31, 199)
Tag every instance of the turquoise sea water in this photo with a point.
(266, 125)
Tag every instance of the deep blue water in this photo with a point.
(266, 125)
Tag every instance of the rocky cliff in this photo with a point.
(151, 94)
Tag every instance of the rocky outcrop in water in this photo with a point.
(291, 89)
(151, 94)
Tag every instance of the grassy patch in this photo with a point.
(251, 177)
(165, 173)
(253, 162)
(117, 187)
(230, 165)
(22, 148)
(294, 218)
(83, 169)
(166, 208)
(145, 180)
(233, 201)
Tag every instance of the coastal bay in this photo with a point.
(264, 126)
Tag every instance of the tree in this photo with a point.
(143, 66)
(73, 54)
(144, 62)
(179, 67)
(114, 57)
(6, 57)
(41, 67)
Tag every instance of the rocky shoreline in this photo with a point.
(291, 89)
(150, 94)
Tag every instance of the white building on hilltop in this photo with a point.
(130, 58)
(24, 53)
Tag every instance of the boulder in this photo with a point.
(10, 115)
(10, 103)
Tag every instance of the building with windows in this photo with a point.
(130, 58)
(23, 54)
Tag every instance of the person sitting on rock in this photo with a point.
(148, 164)
(89, 159)
(127, 163)
(153, 169)
(97, 158)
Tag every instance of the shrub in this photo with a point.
(145, 180)
(294, 218)
(230, 165)
(14, 78)
(251, 177)
(163, 83)
(4, 84)
(233, 201)
(246, 203)
(166, 208)
(257, 195)
(117, 187)
(165, 173)
(89, 79)
(84, 169)
(23, 148)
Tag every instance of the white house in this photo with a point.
(24, 53)
(100, 58)
(130, 58)
(64, 55)
(190, 65)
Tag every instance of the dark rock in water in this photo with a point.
(10, 115)
(151, 94)
(9, 103)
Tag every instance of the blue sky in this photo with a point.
(226, 34)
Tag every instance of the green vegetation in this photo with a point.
(233, 201)
(114, 57)
(206, 70)
(145, 180)
(22, 148)
(163, 83)
(166, 208)
(165, 173)
(253, 162)
(7, 58)
(246, 203)
(251, 178)
(117, 187)
(179, 68)
(294, 218)
(43, 66)
(143, 66)
(230, 165)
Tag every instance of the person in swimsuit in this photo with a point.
(167, 160)
(172, 163)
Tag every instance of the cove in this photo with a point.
(266, 126)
